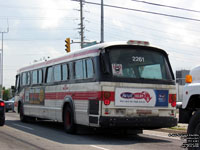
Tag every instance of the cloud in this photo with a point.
(117, 23)
(179, 37)
(53, 16)
(54, 52)
(47, 13)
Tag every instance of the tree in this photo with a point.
(6, 94)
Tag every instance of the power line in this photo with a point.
(171, 37)
(151, 36)
(150, 20)
(143, 11)
(161, 5)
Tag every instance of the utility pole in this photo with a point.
(2, 61)
(81, 24)
(102, 23)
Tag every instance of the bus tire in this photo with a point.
(23, 118)
(68, 120)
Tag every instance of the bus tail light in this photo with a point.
(106, 98)
(107, 102)
(2, 104)
(172, 100)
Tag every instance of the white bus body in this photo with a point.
(126, 85)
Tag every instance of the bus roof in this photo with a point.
(85, 52)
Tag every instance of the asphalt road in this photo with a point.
(46, 135)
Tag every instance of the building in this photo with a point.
(180, 82)
(180, 76)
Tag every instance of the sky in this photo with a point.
(38, 28)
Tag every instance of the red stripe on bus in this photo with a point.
(77, 95)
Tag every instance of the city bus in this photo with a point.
(123, 85)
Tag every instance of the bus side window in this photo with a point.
(49, 74)
(24, 79)
(34, 77)
(78, 68)
(28, 78)
(65, 72)
(40, 76)
(84, 68)
(57, 73)
(17, 84)
(90, 68)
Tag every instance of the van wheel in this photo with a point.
(68, 120)
(194, 127)
(23, 118)
(194, 124)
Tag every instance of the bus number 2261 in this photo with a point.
(137, 59)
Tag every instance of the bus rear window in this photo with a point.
(139, 63)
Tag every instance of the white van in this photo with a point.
(189, 110)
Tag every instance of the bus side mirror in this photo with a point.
(13, 89)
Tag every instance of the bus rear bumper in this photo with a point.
(138, 122)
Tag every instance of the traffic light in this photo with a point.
(67, 45)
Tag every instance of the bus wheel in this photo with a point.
(23, 118)
(68, 119)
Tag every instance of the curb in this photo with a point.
(172, 131)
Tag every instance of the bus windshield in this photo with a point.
(139, 63)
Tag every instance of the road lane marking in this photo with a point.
(99, 147)
(23, 126)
